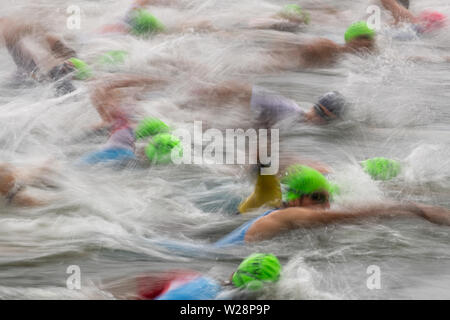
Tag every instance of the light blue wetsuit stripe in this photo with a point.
(237, 237)
(107, 155)
(201, 288)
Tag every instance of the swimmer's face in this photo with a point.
(316, 200)
(312, 117)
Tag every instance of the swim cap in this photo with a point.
(83, 71)
(302, 180)
(331, 105)
(431, 20)
(255, 270)
(150, 127)
(359, 29)
(295, 11)
(381, 168)
(113, 57)
(159, 150)
(144, 23)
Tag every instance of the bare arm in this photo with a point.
(399, 12)
(294, 218)
(104, 98)
(24, 200)
(225, 92)
(317, 53)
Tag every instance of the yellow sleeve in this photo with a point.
(267, 193)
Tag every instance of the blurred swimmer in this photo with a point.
(14, 183)
(269, 109)
(359, 39)
(256, 272)
(38, 53)
(424, 23)
(109, 98)
(306, 205)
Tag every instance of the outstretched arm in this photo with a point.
(106, 101)
(295, 218)
(399, 12)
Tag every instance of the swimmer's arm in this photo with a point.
(103, 99)
(295, 218)
(59, 48)
(197, 25)
(275, 22)
(143, 3)
(316, 53)
(24, 200)
(225, 92)
(399, 12)
(130, 81)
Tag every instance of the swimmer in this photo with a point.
(269, 109)
(14, 183)
(307, 203)
(256, 272)
(37, 53)
(425, 23)
(109, 97)
(140, 22)
(359, 39)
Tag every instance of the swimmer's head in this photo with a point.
(163, 148)
(306, 187)
(295, 13)
(151, 127)
(381, 168)
(144, 23)
(430, 21)
(256, 270)
(329, 107)
(357, 30)
(81, 68)
(359, 36)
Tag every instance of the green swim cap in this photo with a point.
(83, 71)
(302, 180)
(150, 127)
(294, 10)
(358, 29)
(113, 57)
(381, 168)
(159, 150)
(257, 269)
(144, 23)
